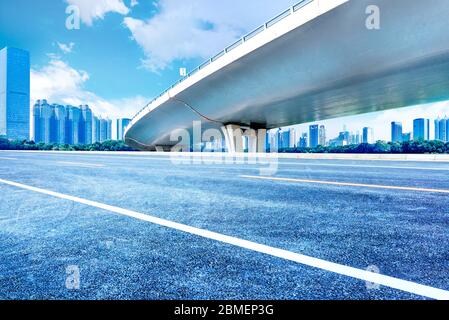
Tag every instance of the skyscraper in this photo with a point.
(14, 94)
(283, 138)
(59, 127)
(85, 125)
(292, 138)
(322, 135)
(368, 135)
(121, 126)
(105, 129)
(396, 131)
(421, 129)
(72, 125)
(46, 121)
(95, 130)
(313, 136)
(437, 129)
(443, 129)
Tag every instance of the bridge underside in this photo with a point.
(330, 67)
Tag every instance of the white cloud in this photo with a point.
(59, 83)
(91, 10)
(198, 28)
(66, 48)
(134, 3)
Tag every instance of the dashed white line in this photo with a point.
(384, 280)
(80, 164)
(8, 158)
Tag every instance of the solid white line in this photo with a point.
(6, 158)
(346, 184)
(364, 275)
(80, 164)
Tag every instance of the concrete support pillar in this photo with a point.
(262, 140)
(233, 138)
(252, 140)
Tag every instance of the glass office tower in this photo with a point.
(14, 94)
(396, 131)
(421, 129)
(314, 136)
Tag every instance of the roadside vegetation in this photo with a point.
(31, 145)
(408, 147)
(380, 147)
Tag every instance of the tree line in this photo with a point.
(407, 147)
(109, 145)
(410, 147)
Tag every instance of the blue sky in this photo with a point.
(128, 51)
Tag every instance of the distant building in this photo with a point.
(58, 126)
(421, 129)
(313, 136)
(85, 125)
(292, 138)
(322, 136)
(437, 129)
(406, 137)
(442, 129)
(368, 135)
(344, 138)
(95, 130)
(121, 126)
(105, 129)
(14, 94)
(73, 125)
(396, 131)
(303, 140)
(43, 118)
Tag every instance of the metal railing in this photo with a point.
(236, 44)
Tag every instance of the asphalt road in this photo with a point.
(362, 223)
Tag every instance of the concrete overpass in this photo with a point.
(315, 61)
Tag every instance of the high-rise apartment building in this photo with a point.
(85, 125)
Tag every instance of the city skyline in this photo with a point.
(54, 123)
(68, 66)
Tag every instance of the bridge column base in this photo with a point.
(233, 139)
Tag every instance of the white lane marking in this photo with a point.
(7, 158)
(262, 161)
(347, 184)
(352, 272)
(81, 164)
(362, 166)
